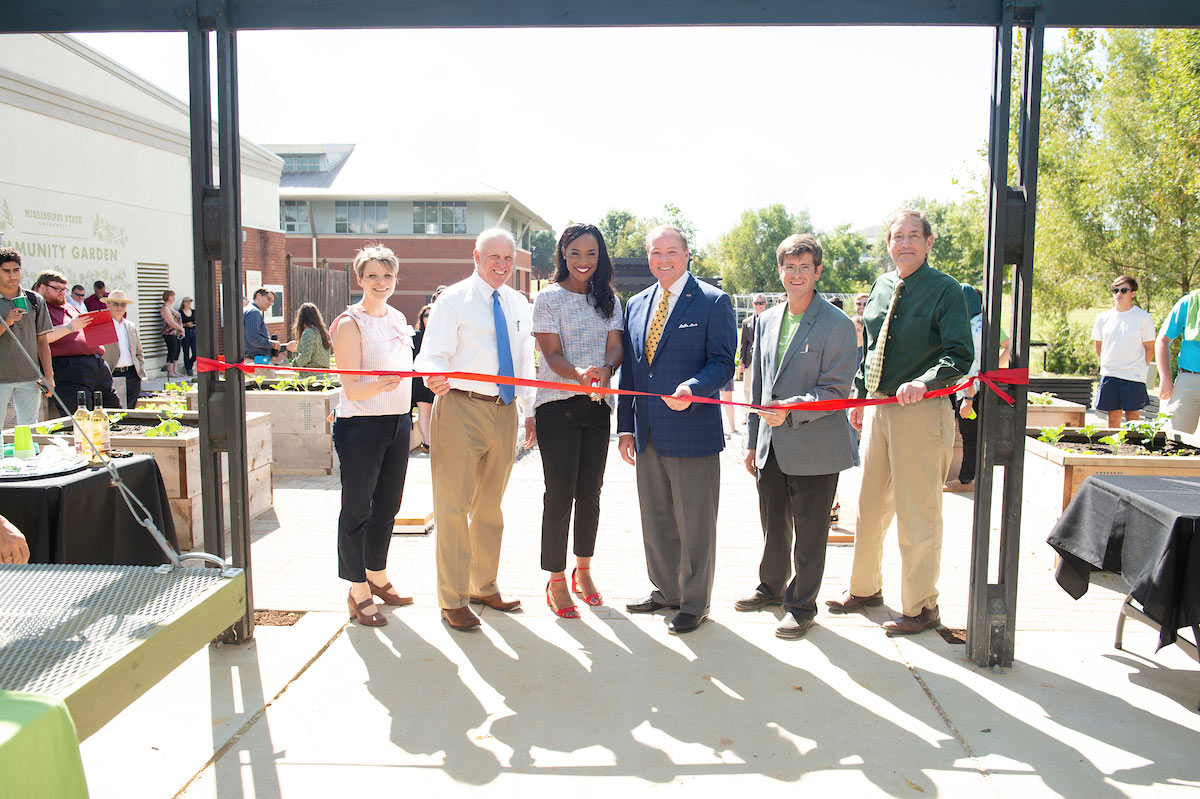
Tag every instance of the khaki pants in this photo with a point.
(1184, 404)
(471, 457)
(906, 452)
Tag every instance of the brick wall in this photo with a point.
(264, 251)
(426, 262)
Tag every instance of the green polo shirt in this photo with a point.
(929, 338)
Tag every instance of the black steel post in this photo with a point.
(234, 396)
(204, 197)
(992, 606)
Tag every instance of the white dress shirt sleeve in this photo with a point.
(441, 339)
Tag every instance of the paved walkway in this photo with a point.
(612, 703)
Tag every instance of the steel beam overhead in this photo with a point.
(66, 16)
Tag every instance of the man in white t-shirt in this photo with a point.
(1124, 339)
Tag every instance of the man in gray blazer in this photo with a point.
(804, 350)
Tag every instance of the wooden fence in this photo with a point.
(328, 289)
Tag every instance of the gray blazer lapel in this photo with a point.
(802, 330)
(768, 337)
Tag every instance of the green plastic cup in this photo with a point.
(23, 442)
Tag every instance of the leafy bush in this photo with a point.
(1070, 350)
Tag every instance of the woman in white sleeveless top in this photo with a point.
(371, 433)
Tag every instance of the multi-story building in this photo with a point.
(336, 198)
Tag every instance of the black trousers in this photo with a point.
(188, 343)
(373, 451)
(89, 373)
(133, 385)
(798, 503)
(969, 430)
(174, 343)
(573, 438)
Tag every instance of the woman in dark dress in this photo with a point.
(187, 314)
(422, 396)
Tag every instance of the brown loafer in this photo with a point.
(848, 602)
(388, 594)
(496, 602)
(910, 625)
(461, 619)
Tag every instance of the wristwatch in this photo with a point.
(612, 370)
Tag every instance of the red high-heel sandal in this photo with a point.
(566, 613)
(591, 599)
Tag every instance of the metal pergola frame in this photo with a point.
(216, 218)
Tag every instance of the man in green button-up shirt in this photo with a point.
(925, 345)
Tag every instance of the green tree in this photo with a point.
(747, 252)
(844, 266)
(624, 233)
(1119, 168)
(541, 253)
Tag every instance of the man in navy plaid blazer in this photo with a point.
(680, 336)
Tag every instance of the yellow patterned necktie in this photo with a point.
(875, 372)
(657, 325)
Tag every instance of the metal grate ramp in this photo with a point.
(100, 636)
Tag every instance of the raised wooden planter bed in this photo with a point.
(1059, 412)
(301, 438)
(1052, 476)
(178, 458)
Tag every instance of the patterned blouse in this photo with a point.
(581, 328)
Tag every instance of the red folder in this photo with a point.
(101, 330)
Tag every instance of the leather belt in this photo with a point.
(492, 398)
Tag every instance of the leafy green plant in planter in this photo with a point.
(1040, 398)
(168, 425)
(1115, 441)
(180, 389)
(47, 429)
(1088, 430)
(1052, 435)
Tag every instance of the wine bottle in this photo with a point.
(100, 424)
(83, 426)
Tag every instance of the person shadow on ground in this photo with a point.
(431, 708)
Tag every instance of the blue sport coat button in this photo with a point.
(652, 374)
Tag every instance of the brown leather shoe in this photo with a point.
(388, 594)
(497, 602)
(375, 619)
(461, 619)
(848, 602)
(909, 625)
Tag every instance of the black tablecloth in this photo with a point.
(80, 518)
(1143, 527)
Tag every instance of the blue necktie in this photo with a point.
(503, 349)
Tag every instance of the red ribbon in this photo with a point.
(1012, 377)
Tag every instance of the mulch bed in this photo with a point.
(953, 635)
(277, 618)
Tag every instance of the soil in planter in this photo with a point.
(135, 429)
(1128, 448)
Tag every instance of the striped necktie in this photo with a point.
(875, 371)
(657, 326)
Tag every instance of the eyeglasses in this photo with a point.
(53, 287)
(805, 269)
(911, 238)
(1122, 290)
(760, 302)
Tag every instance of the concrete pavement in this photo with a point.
(612, 703)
